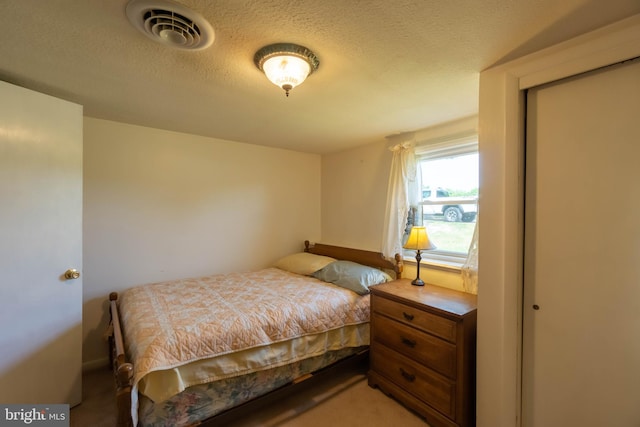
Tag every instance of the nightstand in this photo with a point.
(423, 350)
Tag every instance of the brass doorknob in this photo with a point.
(72, 273)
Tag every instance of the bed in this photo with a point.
(188, 352)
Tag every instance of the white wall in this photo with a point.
(354, 196)
(162, 205)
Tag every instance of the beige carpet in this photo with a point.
(341, 400)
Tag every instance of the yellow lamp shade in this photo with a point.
(419, 239)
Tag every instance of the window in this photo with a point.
(449, 195)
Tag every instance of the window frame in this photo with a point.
(434, 148)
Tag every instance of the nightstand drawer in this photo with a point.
(428, 322)
(435, 353)
(415, 379)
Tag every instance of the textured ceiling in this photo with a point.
(386, 66)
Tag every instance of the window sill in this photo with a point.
(449, 265)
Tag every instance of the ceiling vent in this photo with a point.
(170, 24)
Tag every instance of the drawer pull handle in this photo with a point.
(408, 342)
(407, 316)
(407, 376)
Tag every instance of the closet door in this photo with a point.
(41, 238)
(581, 338)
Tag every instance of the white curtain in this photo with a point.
(401, 194)
(470, 268)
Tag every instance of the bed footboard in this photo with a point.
(123, 371)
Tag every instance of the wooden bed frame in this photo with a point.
(123, 370)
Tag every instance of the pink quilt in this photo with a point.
(173, 323)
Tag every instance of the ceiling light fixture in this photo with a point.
(286, 64)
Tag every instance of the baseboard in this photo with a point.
(93, 365)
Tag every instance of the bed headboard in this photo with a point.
(373, 259)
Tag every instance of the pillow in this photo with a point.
(351, 275)
(303, 263)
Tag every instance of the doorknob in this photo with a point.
(72, 273)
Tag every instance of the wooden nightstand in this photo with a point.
(423, 350)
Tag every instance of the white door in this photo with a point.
(40, 238)
(581, 349)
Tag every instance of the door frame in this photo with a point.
(501, 124)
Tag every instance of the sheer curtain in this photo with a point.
(401, 194)
(470, 268)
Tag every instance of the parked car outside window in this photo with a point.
(452, 209)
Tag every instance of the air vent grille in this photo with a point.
(172, 27)
(171, 24)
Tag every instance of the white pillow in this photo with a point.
(303, 263)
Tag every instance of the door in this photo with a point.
(581, 314)
(41, 238)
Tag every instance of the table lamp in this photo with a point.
(418, 241)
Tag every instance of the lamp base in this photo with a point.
(417, 282)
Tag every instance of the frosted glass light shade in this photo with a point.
(286, 65)
(286, 71)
